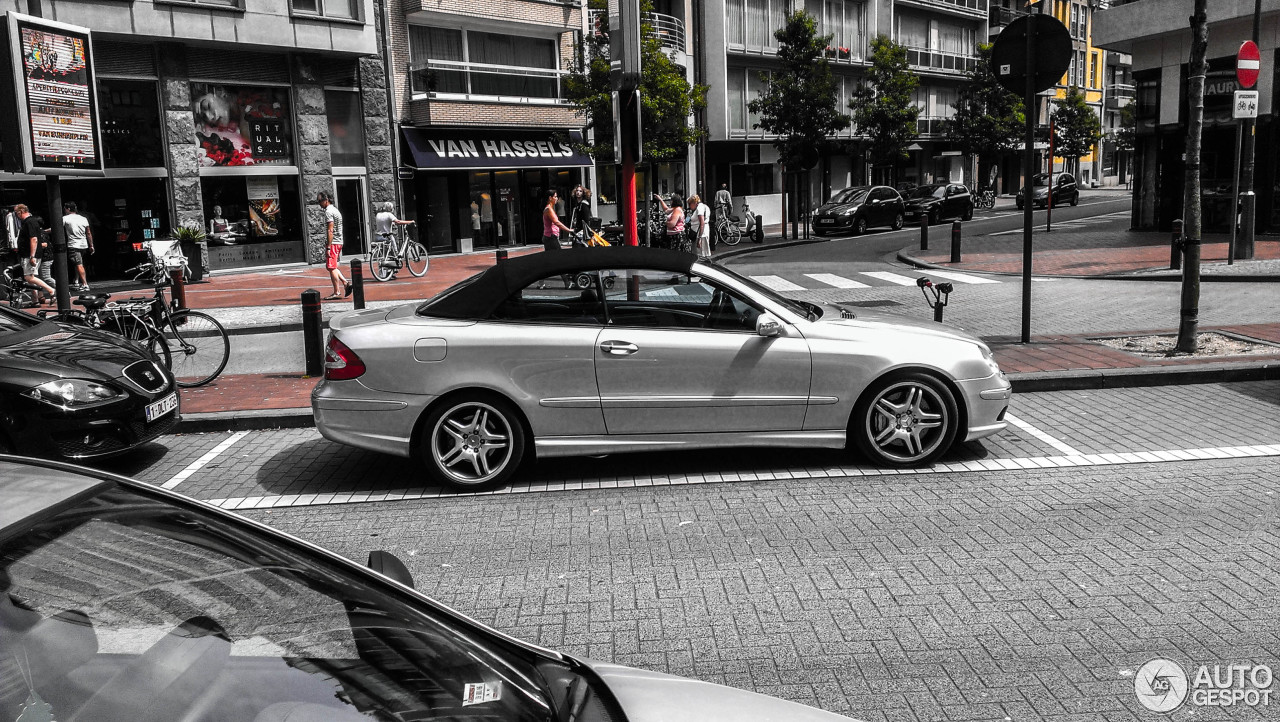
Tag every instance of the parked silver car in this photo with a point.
(660, 351)
(124, 602)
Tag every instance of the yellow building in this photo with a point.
(1086, 72)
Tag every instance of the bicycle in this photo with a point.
(387, 256)
(985, 199)
(15, 291)
(728, 231)
(192, 344)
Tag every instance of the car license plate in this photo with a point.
(826, 220)
(162, 407)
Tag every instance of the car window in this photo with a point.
(571, 299)
(927, 192)
(127, 594)
(661, 299)
(958, 190)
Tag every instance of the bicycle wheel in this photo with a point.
(380, 262)
(730, 234)
(199, 345)
(140, 332)
(416, 257)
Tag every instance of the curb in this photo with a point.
(756, 248)
(246, 420)
(906, 258)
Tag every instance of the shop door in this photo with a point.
(535, 182)
(355, 225)
(506, 209)
(439, 228)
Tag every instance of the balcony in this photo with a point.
(452, 80)
(938, 61)
(1120, 95)
(1000, 17)
(967, 8)
(668, 29)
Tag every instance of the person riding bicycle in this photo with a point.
(386, 221)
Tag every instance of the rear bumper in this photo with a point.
(348, 412)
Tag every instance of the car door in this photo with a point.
(957, 200)
(681, 355)
(877, 207)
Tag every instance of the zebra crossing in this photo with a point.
(863, 279)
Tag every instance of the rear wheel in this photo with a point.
(380, 262)
(730, 234)
(416, 257)
(1075, 198)
(905, 420)
(199, 345)
(968, 213)
(472, 443)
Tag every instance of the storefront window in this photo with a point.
(242, 125)
(252, 220)
(130, 114)
(346, 128)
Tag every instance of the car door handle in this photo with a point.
(619, 348)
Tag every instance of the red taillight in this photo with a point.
(340, 362)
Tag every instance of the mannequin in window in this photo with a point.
(486, 217)
(220, 229)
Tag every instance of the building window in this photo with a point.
(744, 86)
(445, 61)
(341, 9)
(130, 116)
(1093, 71)
(750, 23)
(936, 105)
(844, 21)
(346, 127)
(937, 45)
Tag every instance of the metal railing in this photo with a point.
(976, 6)
(1122, 90)
(1001, 16)
(469, 81)
(940, 61)
(668, 29)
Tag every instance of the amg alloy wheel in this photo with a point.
(905, 420)
(473, 443)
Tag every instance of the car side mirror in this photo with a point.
(389, 565)
(768, 325)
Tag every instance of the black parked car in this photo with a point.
(939, 201)
(858, 208)
(1065, 190)
(75, 393)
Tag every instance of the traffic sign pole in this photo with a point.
(1235, 196)
(1248, 65)
(1028, 172)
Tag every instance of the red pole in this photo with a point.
(628, 204)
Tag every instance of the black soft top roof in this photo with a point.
(478, 296)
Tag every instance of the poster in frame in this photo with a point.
(56, 102)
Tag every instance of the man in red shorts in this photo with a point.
(333, 246)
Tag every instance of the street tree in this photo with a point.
(1076, 129)
(883, 110)
(988, 119)
(1126, 134)
(799, 104)
(1189, 319)
(666, 98)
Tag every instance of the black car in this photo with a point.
(1065, 190)
(939, 201)
(858, 208)
(76, 393)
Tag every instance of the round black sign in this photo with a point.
(1051, 59)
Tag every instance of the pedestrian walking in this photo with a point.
(551, 223)
(79, 242)
(33, 248)
(581, 218)
(333, 246)
(702, 223)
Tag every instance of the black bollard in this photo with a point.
(955, 242)
(500, 255)
(924, 232)
(357, 283)
(1175, 246)
(312, 341)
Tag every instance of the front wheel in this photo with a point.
(1075, 199)
(199, 345)
(730, 234)
(416, 257)
(898, 221)
(380, 264)
(968, 214)
(472, 443)
(905, 420)
(859, 225)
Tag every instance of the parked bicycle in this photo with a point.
(985, 199)
(389, 254)
(730, 228)
(192, 344)
(15, 291)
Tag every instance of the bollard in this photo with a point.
(357, 283)
(500, 255)
(312, 342)
(945, 290)
(955, 242)
(1175, 246)
(179, 289)
(924, 231)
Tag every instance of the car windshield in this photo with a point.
(850, 195)
(125, 590)
(799, 308)
(1042, 180)
(931, 191)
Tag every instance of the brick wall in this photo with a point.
(455, 112)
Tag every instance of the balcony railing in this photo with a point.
(998, 17)
(668, 29)
(973, 6)
(940, 61)
(480, 81)
(1122, 90)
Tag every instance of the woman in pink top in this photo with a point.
(675, 219)
(551, 224)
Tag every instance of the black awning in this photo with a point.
(486, 148)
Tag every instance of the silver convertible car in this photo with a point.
(604, 350)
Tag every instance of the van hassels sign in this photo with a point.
(488, 149)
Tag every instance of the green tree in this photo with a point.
(882, 107)
(1076, 128)
(666, 97)
(1126, 134)
(799, 105)
(988, 120)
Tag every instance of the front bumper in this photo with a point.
(988, 402)
(350, 413)
(48, 432)
(833, 223)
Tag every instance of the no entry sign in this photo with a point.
(1248, 62)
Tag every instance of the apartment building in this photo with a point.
(1154, 33)
(230, 115)
(1119, 92)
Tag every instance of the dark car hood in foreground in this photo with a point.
(655, 697)
(64, 351)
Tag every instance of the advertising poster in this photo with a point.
(57, 102)
(241, 125)
(264, 206)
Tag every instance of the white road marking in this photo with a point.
(838, 281)
(891, 277)
(210, 455)
(610, 482)
(1064, 448)
(961, 277)
(777, 283)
